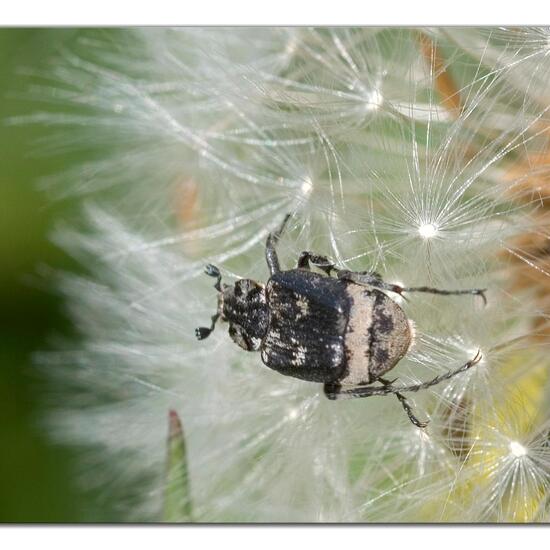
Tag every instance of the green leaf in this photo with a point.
(177, 495)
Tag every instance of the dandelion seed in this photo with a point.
(293, 414)
(373, 100)
(517, 449)
(428, 230)
(307, 187)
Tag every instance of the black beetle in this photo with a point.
(343, 331)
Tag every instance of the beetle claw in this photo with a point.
(211, 270)
(478, 357)
(420, 424)
(481, 292)
(202, 332)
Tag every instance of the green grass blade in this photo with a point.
(177, 495)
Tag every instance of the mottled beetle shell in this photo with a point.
(323, 329)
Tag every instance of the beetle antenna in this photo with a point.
(204, 332)
(213, 271)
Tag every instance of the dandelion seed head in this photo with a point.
(307, 187)
(345, 129)
(517, 449)
(373, 100)
(428, 230)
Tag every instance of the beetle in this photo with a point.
(338, 327)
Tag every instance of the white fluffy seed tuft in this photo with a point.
(195, 143)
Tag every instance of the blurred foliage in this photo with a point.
(36, 476)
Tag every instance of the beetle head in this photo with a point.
(244, 307)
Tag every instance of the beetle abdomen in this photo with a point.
(307, 322)
(378, 335)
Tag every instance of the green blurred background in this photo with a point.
(37, 477)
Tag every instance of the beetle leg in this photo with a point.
(325, 264)
(440, 378)
(270, 252)
(321, 262)
(374, 280)
(474, 291)
(335, 391)
(368, 278)
(405, 405)
(204, 332)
